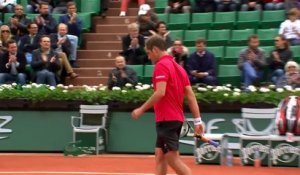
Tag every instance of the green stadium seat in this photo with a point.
(266, 36)
(180, 21)
(7, 17)
(240, 37)
(201, 21)
(148, 73)
(218, 51)
(224, 20)
(218, 37)
(176, 34)
(190, 36)
(86, 19)
(296, 53)
(191, 49)
(139, 69)
(229, 74)
(163, 17)
(160, 5)
(23, 3)
(248, 19)
(232, 54)
(32, 15)
(90, 6)
(267, 50)
(272, 19)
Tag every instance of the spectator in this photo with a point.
(273, 4)
(5, 36)
(227, 5)
(202, 65)
(279, 57)
(7, 6)
(147, 20)
(61, 6)
(45, 63)
(30, 42)
(178, 6)
(179, 52)
(133, 46)
(18, 22)
(249, 5)
(290, 28)
(34, 5)
(45, 21)
(13, 65)
(121, 75)
(124, 6)
(291, 76)
(204, 6)
(104, 7)
(161, 30)
(252, 61)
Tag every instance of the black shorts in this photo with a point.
(168, 135)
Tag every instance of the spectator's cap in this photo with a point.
(291, 64)
(144, 9)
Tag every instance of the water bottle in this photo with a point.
(257, 161)
(229, 158)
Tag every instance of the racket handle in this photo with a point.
(204, 139)
(215, 144)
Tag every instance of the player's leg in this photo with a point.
(177, 164)
(161, 162)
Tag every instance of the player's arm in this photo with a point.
(156, 96)
(194, 108)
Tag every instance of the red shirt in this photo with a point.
(170, 107)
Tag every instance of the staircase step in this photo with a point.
(116, 12)
(93, 72)
(111, 28)
(103, 36)
(91, 81)
(96, 63)
(114, 20)
(103, 45)
(97, 54)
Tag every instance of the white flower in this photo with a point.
(140, 84)
(215, 90)
(100, 85)
(146, 86)
(226, 88)
(34, 84)
(236, 90)
(52, 88)
(201, 89)
(220, 88)
(263, 89)
(28, 86)
(66, 87)
(103, 88)
(139, 87)
(14, 84)
(123, 91)
(65, 91)
(228, 85)
(116, 88)
(272, 86)
(209, 87)
(128, 85)
(236, 94)
(71, 86)
(1, 89)
(60, 85)
(289, 88)
(226, 95)
(252, 88)
(279, 90)
(297, 89)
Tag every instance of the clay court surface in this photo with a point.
(49, 164)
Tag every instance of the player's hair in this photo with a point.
(156, 41)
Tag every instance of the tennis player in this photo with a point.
(171, 84)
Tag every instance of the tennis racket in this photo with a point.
(186, 127)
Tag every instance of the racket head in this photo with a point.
(185, 129)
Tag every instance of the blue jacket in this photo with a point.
(206, 63)
(74, 28)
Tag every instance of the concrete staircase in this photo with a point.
(103, 44)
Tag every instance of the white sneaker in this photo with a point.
(123, 13)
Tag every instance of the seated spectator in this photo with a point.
(13, 65)
(178, 6)
(34, 5)
(291, 76)
(45, 63)
(5, 36)
(124, 6)
(290, 28)
(121, 75)
(104, 7)
(61, 6)
(250, 5)
(202, 6)
(273, 4)
(161, 30)
(133, 46)
(45, 21)
(251, 62)
(29, 42)
(179, 52)
(279, 57)
(227, 5)
(147, 20)
(202, 65)
(7, 6)
(18, 22)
